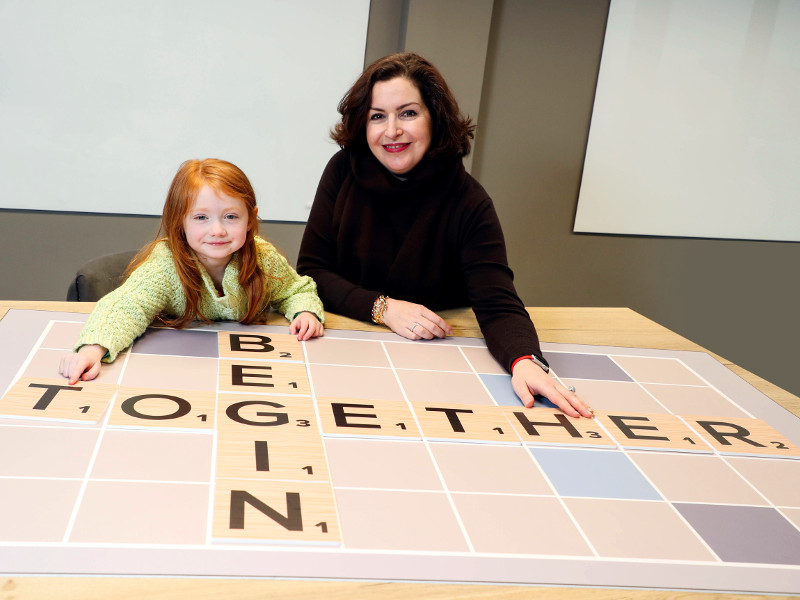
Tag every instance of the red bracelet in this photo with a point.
(535, 359)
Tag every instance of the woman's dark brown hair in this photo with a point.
(451, 132)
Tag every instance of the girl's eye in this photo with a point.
(199, 217)
(231, 217)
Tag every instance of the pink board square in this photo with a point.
(142, 513)
(36, 510)
(62, 335)
(496, 469)
(398, 520)
(354, 382)
(625, 396)
(44, 365)
(170, 372)
(777, 479)
(46, 452)
(154, 455)
(443, 388)
(519, 525)
(686, 478)
(427, 356)
(334, 351)
(657, 370)
(692, 400)
(482, 361)
(636, 529)
(381, 464)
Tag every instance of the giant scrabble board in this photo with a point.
(238, 451)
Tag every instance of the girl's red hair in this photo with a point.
(224, 178)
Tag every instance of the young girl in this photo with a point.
(207, 262)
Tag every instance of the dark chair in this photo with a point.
(99, 276)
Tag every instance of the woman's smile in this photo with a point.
(395, 147)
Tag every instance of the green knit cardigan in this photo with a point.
(154, 289)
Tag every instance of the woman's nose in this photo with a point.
(393, 129)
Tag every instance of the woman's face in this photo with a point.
(398, 125)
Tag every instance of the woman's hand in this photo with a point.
(83, 365)
(529, 379)
(306, 326)
(414, 321)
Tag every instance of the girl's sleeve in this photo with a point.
(290, 293)
(123, 314)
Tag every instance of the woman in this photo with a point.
(398, 229)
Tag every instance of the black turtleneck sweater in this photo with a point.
(432, 237)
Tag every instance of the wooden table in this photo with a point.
(594, 326)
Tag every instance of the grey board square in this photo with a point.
(178, 342)
(585, 366)
(746, 534)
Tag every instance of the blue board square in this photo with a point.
(594, 474)
(501, 390)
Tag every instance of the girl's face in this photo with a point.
(398, 125)
(215, 227)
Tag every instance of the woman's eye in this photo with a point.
(408, 113)
(376, 117)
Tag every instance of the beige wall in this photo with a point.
(434, 29)
(736, 298)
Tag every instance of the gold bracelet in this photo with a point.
(378, 308)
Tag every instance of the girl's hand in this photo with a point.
(414, 321)
(83, 365)
(306, 326)
(529, 379)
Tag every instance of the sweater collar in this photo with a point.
(230, 278)
(371, 175)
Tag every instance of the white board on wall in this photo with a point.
(101, 100)
(695, 130)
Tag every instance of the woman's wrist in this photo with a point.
(538, 361)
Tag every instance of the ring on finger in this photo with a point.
(571, 388)
(414, 326)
